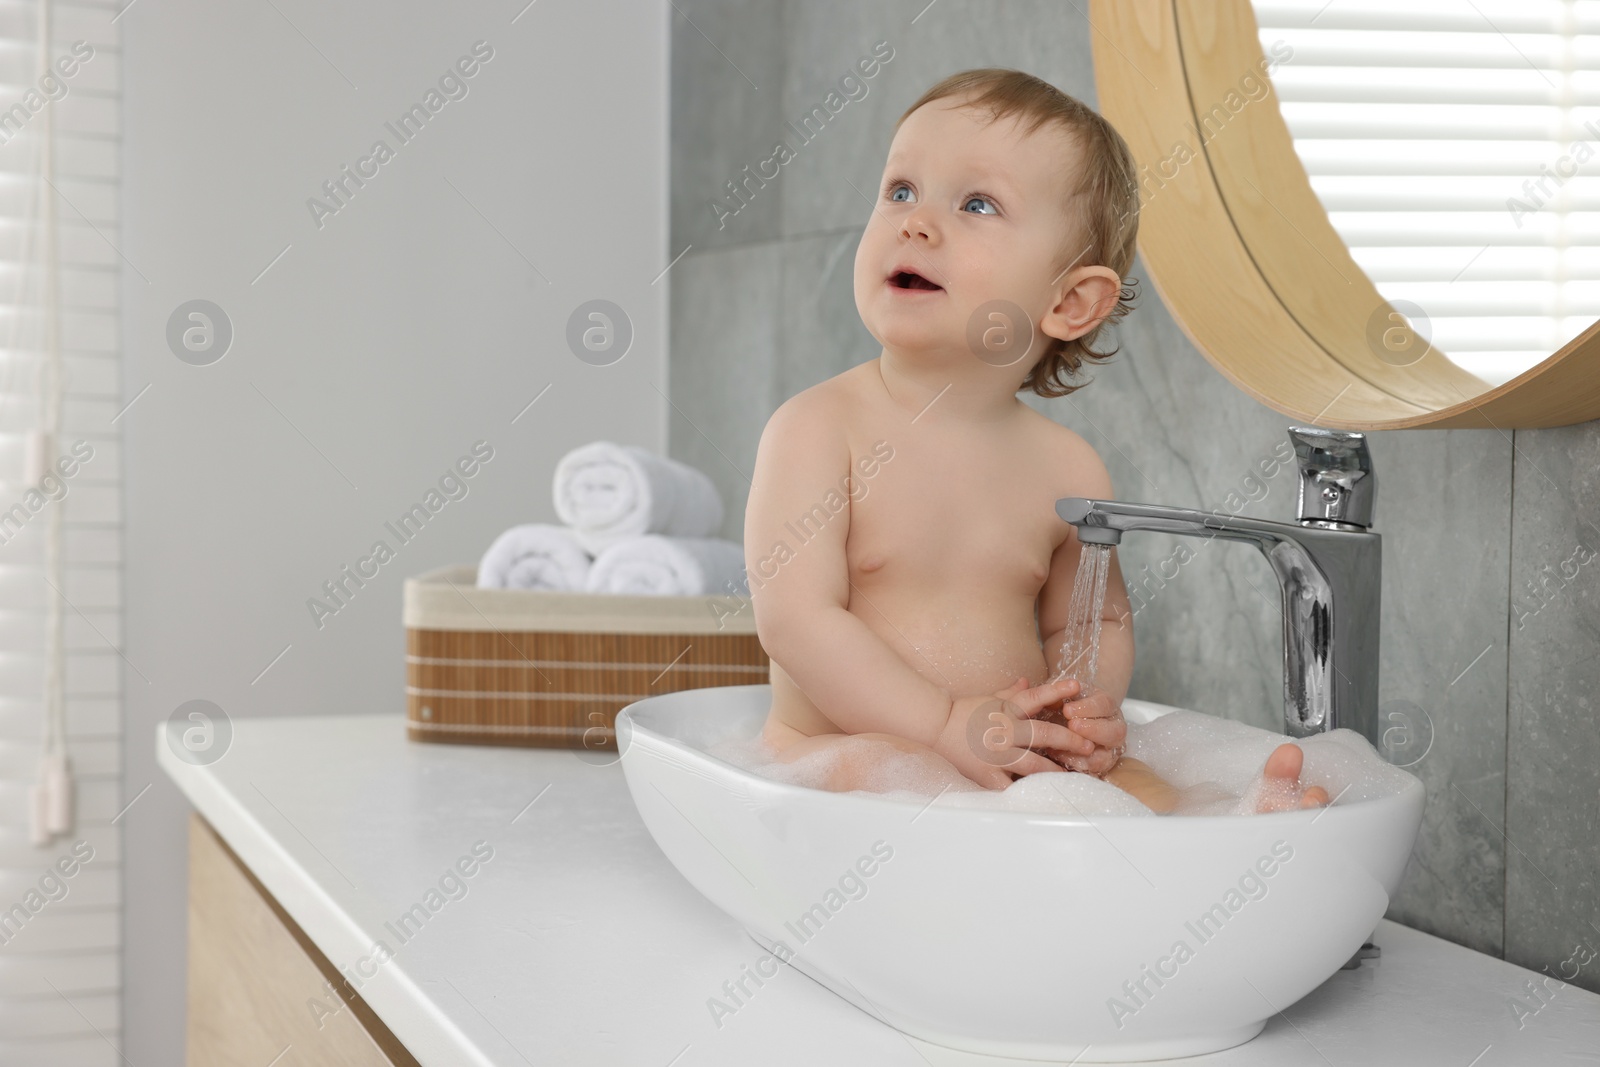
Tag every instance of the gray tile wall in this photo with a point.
(1491, 650)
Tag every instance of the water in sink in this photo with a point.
(1214, 762)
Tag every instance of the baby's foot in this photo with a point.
(1280, 783)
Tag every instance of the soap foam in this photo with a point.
(1215, 764)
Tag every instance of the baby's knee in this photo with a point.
(904, 744)
(875, 762)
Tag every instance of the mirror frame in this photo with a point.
(1242, 252)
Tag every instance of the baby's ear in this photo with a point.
(1088, 296)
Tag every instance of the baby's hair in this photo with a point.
(1105, 201)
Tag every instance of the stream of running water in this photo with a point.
(1080, 652)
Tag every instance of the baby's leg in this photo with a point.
(1139, 779)
(878, 762)
(1280, 788)
(1280, 785)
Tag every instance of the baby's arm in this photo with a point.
(800, 589)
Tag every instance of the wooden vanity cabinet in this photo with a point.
(259, 990)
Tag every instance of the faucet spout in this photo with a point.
(1329, 573)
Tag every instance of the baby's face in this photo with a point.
(974, 207)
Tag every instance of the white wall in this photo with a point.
(366, 359)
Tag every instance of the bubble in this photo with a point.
(1215, 763)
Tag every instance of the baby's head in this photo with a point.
(1053, 233)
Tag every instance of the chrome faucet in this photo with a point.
(1329, 568)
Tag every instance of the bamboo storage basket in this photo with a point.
(551, 670)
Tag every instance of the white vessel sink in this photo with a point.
(1031, 936)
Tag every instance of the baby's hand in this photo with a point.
(988, 736)
(1095, 717)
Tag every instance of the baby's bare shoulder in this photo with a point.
(808, 415)
(823, 411)
(1059, 440)
(807, 437)
(1075, 455)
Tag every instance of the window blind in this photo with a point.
(60, 933)
(1456, 148)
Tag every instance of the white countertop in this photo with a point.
(578, 943)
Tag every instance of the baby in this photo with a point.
(921, 611)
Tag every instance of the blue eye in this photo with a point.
(895, 188)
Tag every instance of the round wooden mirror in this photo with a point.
(1243, 252)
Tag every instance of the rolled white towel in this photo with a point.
(652, 565)
(606, 491)
(535, 556)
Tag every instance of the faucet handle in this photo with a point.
(1337, 482)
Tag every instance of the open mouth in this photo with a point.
(911, 280)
